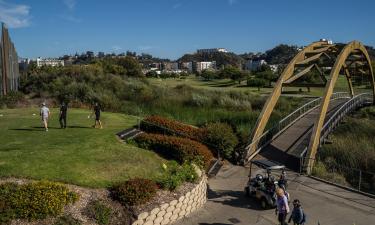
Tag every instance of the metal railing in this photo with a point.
(348, 177)
(356, 102)
(283, 124)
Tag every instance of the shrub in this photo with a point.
(100, 212)
(174, 175)
(34, 200)
(179, 149)
(67, 220)
(135, 191)
(221, 137)
(161, 125)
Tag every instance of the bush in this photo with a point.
(161, 125)
(221, 137)
(34, 200)
(67, 220)
(175, 174)
(100, 212)
(11, 99)
(179, 149)
(135, 191)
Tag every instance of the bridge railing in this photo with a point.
(348, 177)
(283, 124)
(356, 102)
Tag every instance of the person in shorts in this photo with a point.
(97, 111)
(45, 114)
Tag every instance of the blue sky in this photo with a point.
(170, 28)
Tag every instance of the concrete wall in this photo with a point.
(169, 213)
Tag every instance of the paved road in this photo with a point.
(329, 205)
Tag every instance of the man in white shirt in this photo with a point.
(45, 113)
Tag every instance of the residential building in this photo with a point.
(171, 66)
(101, 54)
(187, 66)
(200, 66)
(9, 67)
(212, 50)
(253, 65)
(49, 62)
(24, 63)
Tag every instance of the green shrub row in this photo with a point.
(161, 125)
(219, 137)
(176, 148)
(34, 200)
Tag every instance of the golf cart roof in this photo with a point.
(267, 164)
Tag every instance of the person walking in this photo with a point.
(45, 114)
(282, 208)
(97, 111)
(63, 113)
(298, 215)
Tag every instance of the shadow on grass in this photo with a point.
(50, 128)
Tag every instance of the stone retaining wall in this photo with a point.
(169, 213)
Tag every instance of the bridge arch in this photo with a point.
(335, 57)
(352, 47)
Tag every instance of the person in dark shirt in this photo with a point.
(63, 113)
(97, 116)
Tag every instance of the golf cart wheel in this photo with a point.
(247, 191)
(263, 203)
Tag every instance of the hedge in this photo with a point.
(161, 125)
(177, 148)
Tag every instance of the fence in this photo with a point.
(353, 178)
(283, 124)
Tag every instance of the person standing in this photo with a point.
(97, 116)
(45, 114)
(298, 216)
(282, 208)
(63, 113)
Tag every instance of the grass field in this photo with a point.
(79, 154)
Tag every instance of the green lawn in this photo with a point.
(79, 154)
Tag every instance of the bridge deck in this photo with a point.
(290, 144)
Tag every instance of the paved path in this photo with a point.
(327, 204)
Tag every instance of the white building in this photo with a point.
(212, 50)
(200, 66)
(253, 65)
(49, 62)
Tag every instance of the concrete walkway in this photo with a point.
(327, 204)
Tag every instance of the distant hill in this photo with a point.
(221, 58)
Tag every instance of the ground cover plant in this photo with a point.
(79, 155)
(33, 201)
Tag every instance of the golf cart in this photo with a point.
(263, 186)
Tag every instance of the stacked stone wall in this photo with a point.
(169, 213)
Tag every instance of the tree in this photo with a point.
(267, 75)
(229, 72)
(208, 74)
(256, 82)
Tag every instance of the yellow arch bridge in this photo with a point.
(295, 140)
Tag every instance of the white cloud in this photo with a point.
(145, 47)
(70, 18)
(14, 15)
(177, 5)
(71, 4)
(116, 48)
